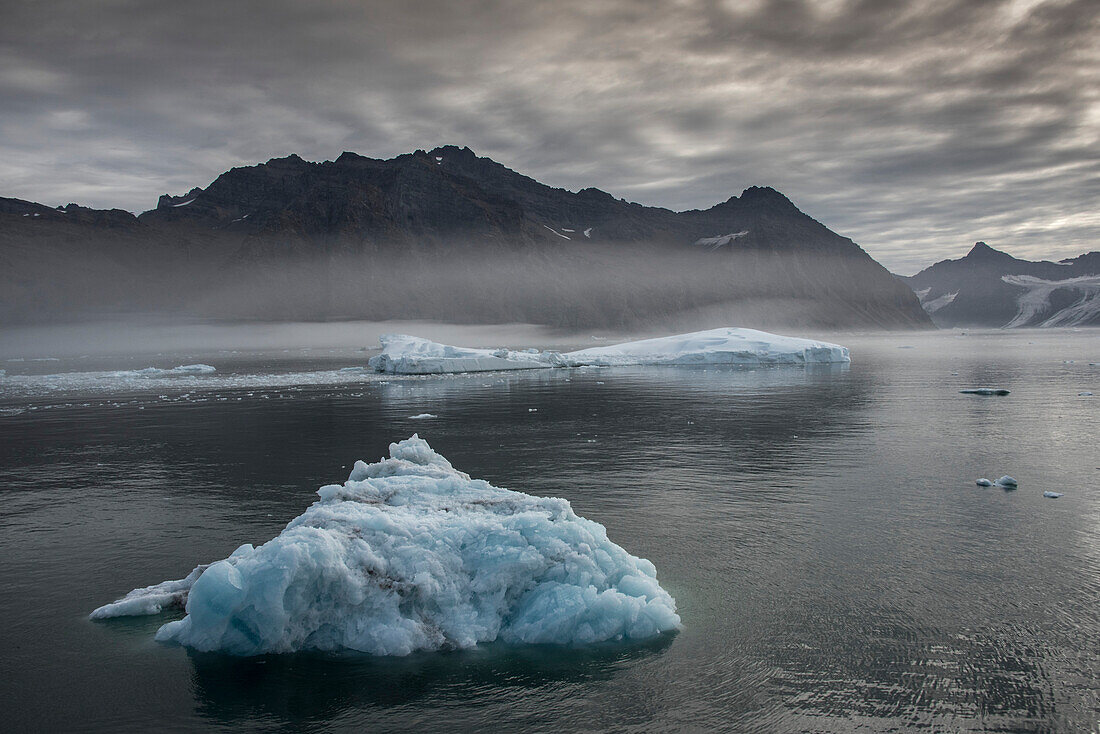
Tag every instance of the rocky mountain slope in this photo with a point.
(352, 238)
(988, 287)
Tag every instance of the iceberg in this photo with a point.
(1007, 482)
(412, 355)
(983, 482)
(402, 354)
(725, 346)
(1052, 495)
(410, 554)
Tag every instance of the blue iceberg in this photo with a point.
(410, 554)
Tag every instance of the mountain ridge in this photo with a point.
(448, 203)
(989, 287)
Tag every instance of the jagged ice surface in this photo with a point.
(411, 554)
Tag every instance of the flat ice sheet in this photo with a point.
(404, 354)
(716, 346)
(411, 355)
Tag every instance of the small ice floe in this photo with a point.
(1052, 495)
(532, 410)
(422, 416)
(983, 482)
(1007, 482)
(1085, 394)
(954, 374)
(984, 391)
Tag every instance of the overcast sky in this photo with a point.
(914, 128)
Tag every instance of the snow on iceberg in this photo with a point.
(730, 346)
(411, 554)
(411, 355)
(725, 346)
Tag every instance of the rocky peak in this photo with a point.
(167, 200)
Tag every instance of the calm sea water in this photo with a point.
(835, 566)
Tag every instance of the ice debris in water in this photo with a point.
(411, 554)
(1085, 394)
(984, 391)
(1052, 495)
(983, 482)
(422, 416)
(1007, 482)
(404, 354)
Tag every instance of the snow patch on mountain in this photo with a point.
(1035, 300)
(724, 239)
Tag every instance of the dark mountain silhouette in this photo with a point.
(338, 238)
(988, 287)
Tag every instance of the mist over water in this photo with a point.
(567, 286)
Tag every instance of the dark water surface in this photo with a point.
(835, 566)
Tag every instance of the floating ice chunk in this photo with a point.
(1007, 482)
(1085, 394)
(729, 346)
(410, 554)
(715, 346)
(422, 416)
(984, 391)
(1052, 495)
(411, 355)
(983, 482)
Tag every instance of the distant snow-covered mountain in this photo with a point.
(988, 287)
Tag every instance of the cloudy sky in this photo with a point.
(915, 128)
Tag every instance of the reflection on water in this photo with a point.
(834, 564)
(317, 688)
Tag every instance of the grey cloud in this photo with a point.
(913, 127)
